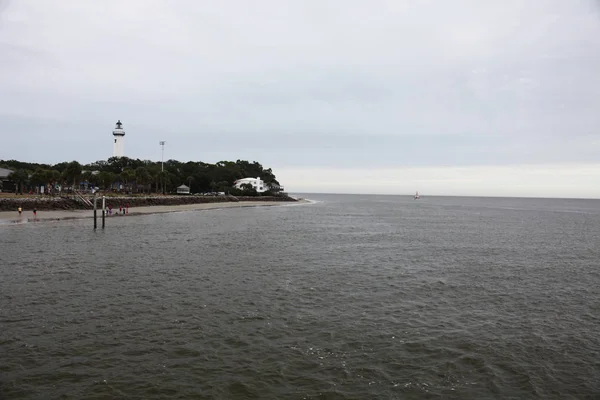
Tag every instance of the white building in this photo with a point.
(257, 183)
(5, 183)
(183, 189)
(119, 135)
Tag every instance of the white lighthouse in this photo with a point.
(119, 135)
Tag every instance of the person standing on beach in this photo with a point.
(34, 213)
(20, 211)
(127, 207)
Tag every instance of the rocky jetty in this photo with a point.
(63, 203)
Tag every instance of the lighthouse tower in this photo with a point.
(119, 135)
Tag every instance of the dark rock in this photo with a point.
(63, 203)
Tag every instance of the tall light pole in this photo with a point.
(162, 164)
(162, 157)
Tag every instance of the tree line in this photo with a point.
(140, 176)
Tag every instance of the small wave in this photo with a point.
(310, 201)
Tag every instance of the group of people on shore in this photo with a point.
(20, 211)
(123, 209)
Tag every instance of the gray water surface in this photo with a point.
(355, 297)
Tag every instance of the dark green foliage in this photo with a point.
(248, 190)
(138, 176)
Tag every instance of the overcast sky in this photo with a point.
(470, 97)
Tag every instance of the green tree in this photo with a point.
(60, 167)
(202, 181)
(72, 173)
(127, 176)
(100, 165)
(87, 177)
(106, 179)
(142, 177)
(163, 178)
(154, 172)
(248, 189)
(39, 177)
(53, 179)
(116, 165)
(196, 174)
(19, 177)
(223, 186)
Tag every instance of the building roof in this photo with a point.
(4, 173)
(247, 180)
(182, 187)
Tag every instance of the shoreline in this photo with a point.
(12, 218)
(68, 203)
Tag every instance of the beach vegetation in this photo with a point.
(135, 176)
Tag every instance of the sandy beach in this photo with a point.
(8, 217)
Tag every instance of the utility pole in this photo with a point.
(162, 157)
(162, 164)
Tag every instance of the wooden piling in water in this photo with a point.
(95, 221)
(103, 210)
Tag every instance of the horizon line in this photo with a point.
(444, 195)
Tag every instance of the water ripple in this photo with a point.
(351, 298)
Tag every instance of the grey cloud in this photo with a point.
(333, 83)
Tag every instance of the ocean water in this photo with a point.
(353, 297)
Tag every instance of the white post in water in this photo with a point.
(103, 210)
(95, 220)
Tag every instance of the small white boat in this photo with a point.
(417, 196)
